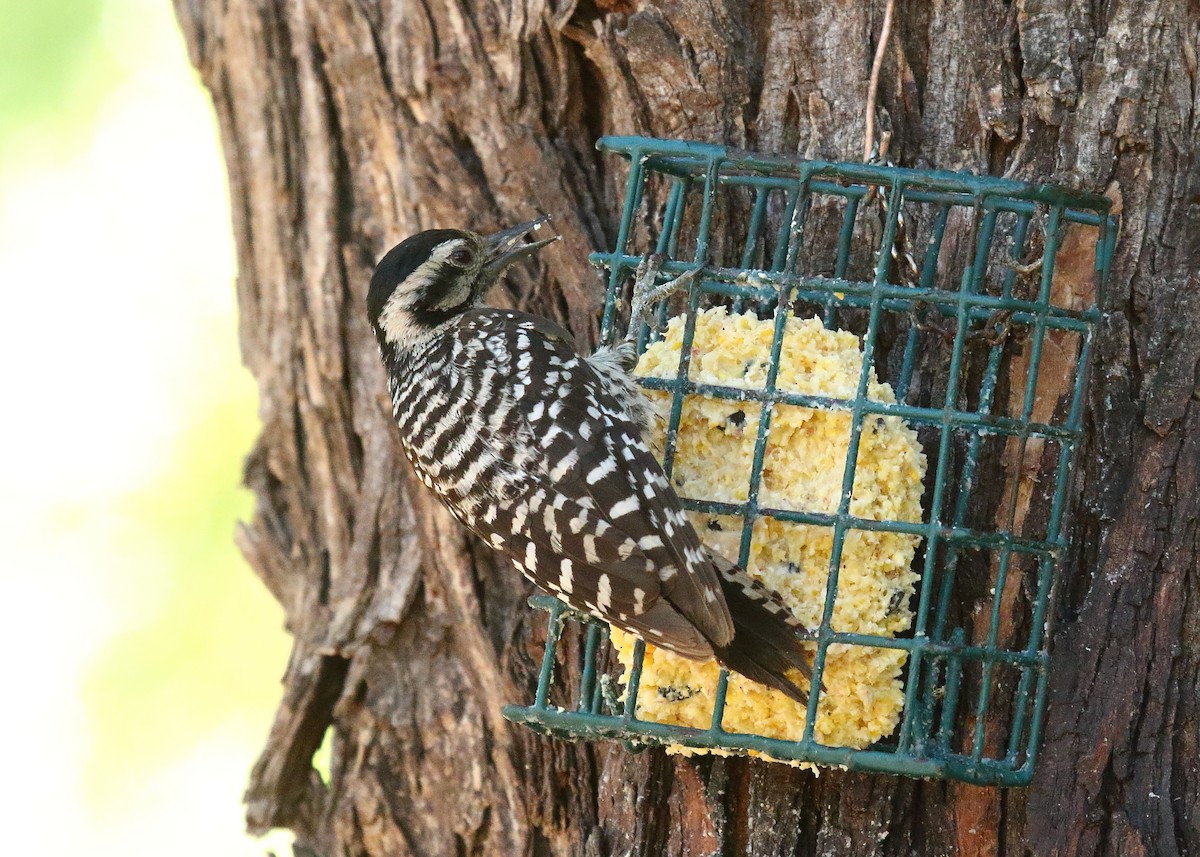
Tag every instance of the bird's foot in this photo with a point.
(647, 294)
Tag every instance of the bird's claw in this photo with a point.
(646, 294)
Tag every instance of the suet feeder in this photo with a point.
(977, 300)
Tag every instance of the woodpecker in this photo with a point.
(539, 451)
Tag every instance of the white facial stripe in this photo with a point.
(397, 321)
(425, 273)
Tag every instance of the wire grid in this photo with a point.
(703, 195)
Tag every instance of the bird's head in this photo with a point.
(427, 279)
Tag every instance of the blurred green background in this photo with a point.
(142, 656)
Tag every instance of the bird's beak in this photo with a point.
(506, 247)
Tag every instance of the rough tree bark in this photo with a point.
(348, 124)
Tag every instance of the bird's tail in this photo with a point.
(767, 638)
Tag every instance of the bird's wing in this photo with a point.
(624, 600)
(602, 500)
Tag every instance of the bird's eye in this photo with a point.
(461, 257)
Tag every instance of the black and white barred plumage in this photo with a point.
(540, 453)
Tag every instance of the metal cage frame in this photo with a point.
(923, 744)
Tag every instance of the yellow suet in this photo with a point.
(803, 469)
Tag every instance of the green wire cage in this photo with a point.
(977, 300)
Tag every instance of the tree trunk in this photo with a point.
(350, 125)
